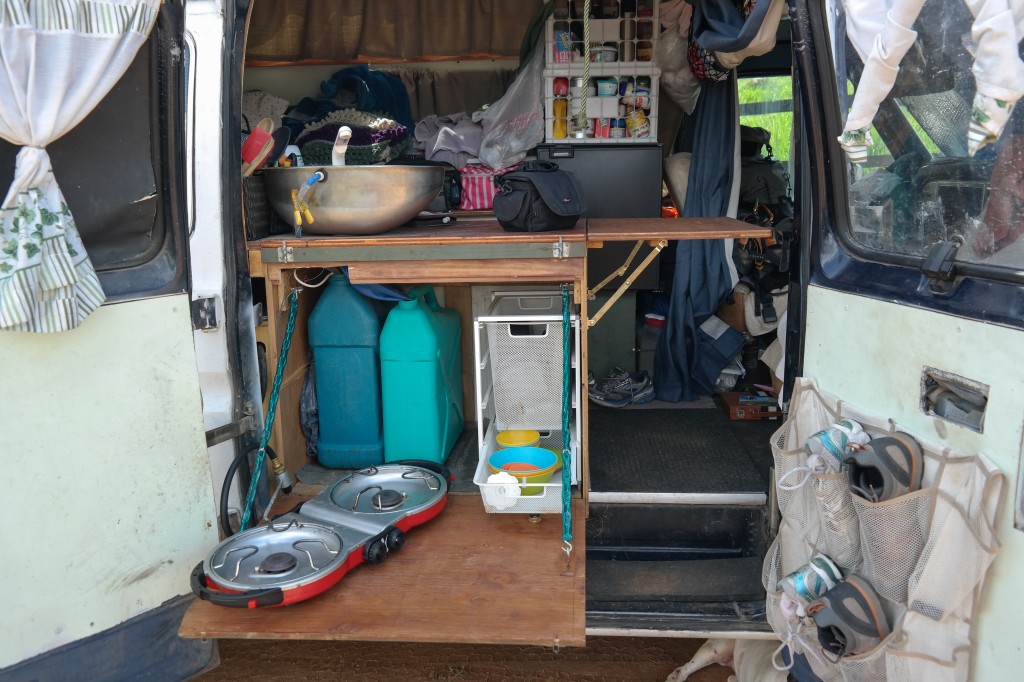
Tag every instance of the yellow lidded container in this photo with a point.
(517, 438)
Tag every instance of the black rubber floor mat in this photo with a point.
(668, 451)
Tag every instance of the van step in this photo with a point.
(717, 595)
(636, 531)
(698, 580)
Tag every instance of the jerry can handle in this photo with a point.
(427, 292)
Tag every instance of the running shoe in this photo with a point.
(832, 446)
(812, 580)
(621, 388)
(887, 467)
(849, 618)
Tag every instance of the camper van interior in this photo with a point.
(670, 517)
(434, 413)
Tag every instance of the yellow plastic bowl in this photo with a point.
(517, 439)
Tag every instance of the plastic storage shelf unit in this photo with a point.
(518, 349)
(621, 103)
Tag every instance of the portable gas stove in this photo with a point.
(359, 519)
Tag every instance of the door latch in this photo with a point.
(940, 265)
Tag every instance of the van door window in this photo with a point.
(925, 173)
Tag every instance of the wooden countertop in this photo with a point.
(474, 230)
(483, 231)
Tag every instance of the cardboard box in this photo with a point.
(746, 406)
(733, 313)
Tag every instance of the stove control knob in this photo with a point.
(396, 538)
(375, 552)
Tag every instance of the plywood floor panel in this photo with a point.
(466, 576)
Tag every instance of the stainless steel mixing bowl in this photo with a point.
(355, 200)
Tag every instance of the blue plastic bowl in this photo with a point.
(539, 461)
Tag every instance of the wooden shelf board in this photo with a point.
(467, 576)
(600, 230)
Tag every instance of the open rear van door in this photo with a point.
(912, 308)
(108, 487)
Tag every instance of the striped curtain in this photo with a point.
(59, 59)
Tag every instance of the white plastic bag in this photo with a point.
(677, 80)
(515, 123)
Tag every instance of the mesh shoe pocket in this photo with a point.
(871, 666)
(840, 529)
(892, 537)
(796, 498)
(771, 574)
(953, 563)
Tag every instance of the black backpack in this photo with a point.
(764, 200)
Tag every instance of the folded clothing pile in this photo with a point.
(375, 138)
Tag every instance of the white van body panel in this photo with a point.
(871, 354)
(204, 28)
(107, 471)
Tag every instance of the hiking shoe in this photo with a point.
(887, 467)
(621, 388)
(849, 618)
(833, 445)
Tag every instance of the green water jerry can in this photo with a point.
(344, 334)
(421, 379)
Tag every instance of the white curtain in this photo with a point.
(58, 59)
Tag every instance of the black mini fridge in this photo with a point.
(619, 181)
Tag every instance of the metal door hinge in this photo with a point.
(560, 249)
(204, 313)
(235, 429)
(285, 254)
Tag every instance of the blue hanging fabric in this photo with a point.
(381, 292)
(691, 354)
(688, 360)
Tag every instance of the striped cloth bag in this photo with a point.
(478, 188)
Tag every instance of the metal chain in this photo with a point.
(566, 463)
(268, 423)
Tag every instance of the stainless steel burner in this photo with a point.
(278, 562)
(387, 500)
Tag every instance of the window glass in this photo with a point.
(922, 181)
(767, 102)
(119, 175)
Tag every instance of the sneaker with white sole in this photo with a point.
(621, 389)
(834, 444)
(887, 467)
(811, 581)
(849, 618)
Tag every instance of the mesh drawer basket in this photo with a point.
(524, 339)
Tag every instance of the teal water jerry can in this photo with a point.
(344, 335)
(421, 379)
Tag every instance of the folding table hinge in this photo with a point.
(560, 249)
(285, 254)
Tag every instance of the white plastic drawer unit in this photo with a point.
(519, 359)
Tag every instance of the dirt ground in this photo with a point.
(611, 659)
